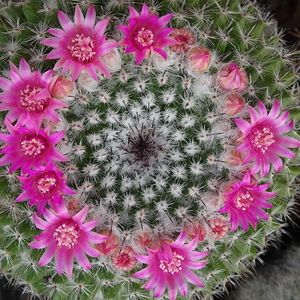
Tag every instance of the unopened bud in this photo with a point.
(233, 104)
(199, 59)
(61, 86)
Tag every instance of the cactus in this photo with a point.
(148, 149)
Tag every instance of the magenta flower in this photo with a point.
(80, 45)
(27, 149)
(170, 267)
(26, 96)
(66, 237)
(42, 186)
(244, 203)
(263, 139)
(146, 33)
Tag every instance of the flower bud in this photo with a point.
(113, 60)
(124, 259)
(194, 229)
(232, 78)
(233, 104)
(199, 59)
(109, 246)
(184, 40)
(61, 86)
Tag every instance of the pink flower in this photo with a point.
(263, 139)
(232, 78)
(170, 266)
(42, 186)
(244, 203)
(146, 33)
(26, 96)
(26, 148)
(66, 237)
(80, 45)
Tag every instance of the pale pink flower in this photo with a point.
(28, 149)
(44, 186)
(170, 266)
(199, 59)
(26, 96)
(232, 78)
(218, 228)
(80, 45)
(184, 40)
(244, 202)
(109, 246)
(146, 34)
(124, 259)
(263, 140)
(66, 237)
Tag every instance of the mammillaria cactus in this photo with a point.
(140, 141)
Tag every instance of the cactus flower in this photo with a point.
(42, 186)
(244, 202)
(66, 237)
(146, 33)
(263, 139)
(26, 149)
(61, 86)
(170, 266)
(232, 78)
(80, 45)
(27, 97)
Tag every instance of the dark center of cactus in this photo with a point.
(33, 145)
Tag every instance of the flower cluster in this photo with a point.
(157, 148)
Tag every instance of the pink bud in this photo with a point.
(195, 228)
(233, 104)
(235, 158)
(199, 59)
(219, 228)
(61, 86)
(232, 78)
(184, 40)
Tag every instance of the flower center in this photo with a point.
(67, 234)
(46, 182)
(29, 103)
(243, 199)
(174, 266)
(82, 48)
(261, 138)
(144, 38)
(33, 146)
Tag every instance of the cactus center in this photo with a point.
(29, 103)
(173, 266)
(33, 146)
(46, 182)
(243, 199)
(67, 234)
(261, 137)
(82, 48)
(144, 38)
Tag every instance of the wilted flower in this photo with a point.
(80, 45)
(245, 202)
(124, 259)
(146, 33)
(66, 237)
(26, 96)
(184, 40)
(263, 139)
(232, 78)
(170, 266)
